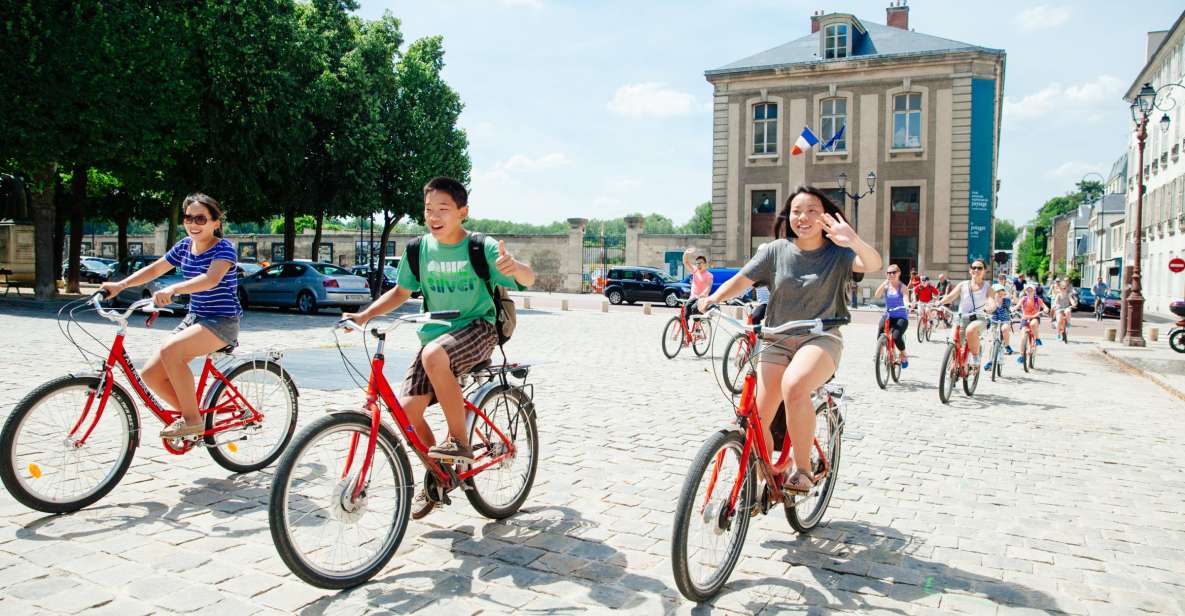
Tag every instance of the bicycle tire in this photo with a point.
(882, 362)
(1024, 351)
(672, 334)
(895, 371)
(804, 523)
(1032, 363)
(946, 378)
(995, 360)
(971, 380)
(921, 334)
(288, 389)
(739, 344)
(686, 512)
(524, 412)
(9, 439)
(1177, 340)
(701, 346)
(278, 523)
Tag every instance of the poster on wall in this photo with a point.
(983, 135)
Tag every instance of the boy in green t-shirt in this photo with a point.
(448, 282)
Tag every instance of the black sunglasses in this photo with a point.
(976, 268)
(197, 219)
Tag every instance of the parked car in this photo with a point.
(128, 266)
(632, 284)
(90, 269)
(247, 268)
(1112, 303)
(720, 275)
(1085, 299)
(306, 286)
(390, 274)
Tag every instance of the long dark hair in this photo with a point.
(209, 203)
(829, 207)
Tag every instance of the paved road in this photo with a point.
(1058, 491)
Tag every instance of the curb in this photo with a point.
(1131, 368)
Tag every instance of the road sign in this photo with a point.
(1177, 265)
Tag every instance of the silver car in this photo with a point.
(128, 266)
(304, 285)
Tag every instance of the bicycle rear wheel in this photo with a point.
(42, 466)
(735, 362)
(270, 391)
(1024, 351)
(500, 490)
(327, 537)
(707, 539)
(948, 375)
(882, 361)
(701, 336)
(806, 513)
(995, 359)
(672, 338)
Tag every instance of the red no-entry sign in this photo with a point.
(1177, 265)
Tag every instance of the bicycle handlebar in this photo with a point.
(142, 305)
(440, 317)
(814, 326)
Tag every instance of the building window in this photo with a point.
(763, 208)
(835, 41)
(833, 116)
(904, 218)
(765, 128)
(907, 120)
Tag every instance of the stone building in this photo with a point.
(922, 112)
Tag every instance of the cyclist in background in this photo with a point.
(1063, 301)
(701, 281)
(943, 284)
(1031, 308)
(896, 310)
(1000, 305)
(973, 297)
(1099, 290)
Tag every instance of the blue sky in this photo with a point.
(583, 108)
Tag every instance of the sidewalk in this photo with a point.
(1156, 362)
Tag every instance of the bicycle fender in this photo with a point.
(481, 393)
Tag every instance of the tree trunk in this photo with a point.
(42, 210)
(171, 234)
(289, 233)
(388, 225)
(122, 218)
(61, 212)
(317, 235)
(77, 204)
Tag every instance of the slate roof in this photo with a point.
(878, 41)
(1113, 203)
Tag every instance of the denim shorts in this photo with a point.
(226, 328)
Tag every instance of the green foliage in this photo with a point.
(303, 222)
(1005, 234)
(701, 221)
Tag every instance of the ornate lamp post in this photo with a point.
(1142, 107)
(842, 180)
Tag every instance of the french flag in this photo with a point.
(806, 141)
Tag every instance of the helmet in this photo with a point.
(997, 287)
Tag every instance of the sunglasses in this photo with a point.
(977, 268)
(197, 219)
(893, 272)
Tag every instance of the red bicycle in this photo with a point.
(1028, 343)
(927, 318)
(69, 441)
(955, 364)
(681, 331)
(733, 478)
(887, 364)
(737, 353)
(342, 494)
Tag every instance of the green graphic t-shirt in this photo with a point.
(448, 282)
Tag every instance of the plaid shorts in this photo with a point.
(466, 347)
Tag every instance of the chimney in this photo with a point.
(1155, 38)
(815, 21)
(897, 15)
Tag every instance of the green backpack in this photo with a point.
(505, 314)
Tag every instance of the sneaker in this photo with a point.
(987, 367)
(451, 450)
(1020, 360)
(1039, 342)
(421, 505)
(904, 364)
(1008, 350)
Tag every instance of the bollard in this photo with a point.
(604, 305)
(563, 304)
(646, 308)
(1153, 334)
(1110, 334)
(526, 303)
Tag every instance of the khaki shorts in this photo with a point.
(778, 349)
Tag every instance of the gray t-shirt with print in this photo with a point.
(802, 284)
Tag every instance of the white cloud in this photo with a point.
(653, 99)
(502, 171)
(1074, 170)
(1062, 98)
(1042, 17)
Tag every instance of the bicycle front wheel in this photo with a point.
(327, 536)
(672, 338)
(921, 331)
(708, 538)
(735, 362)
(882, 361)
(948, 375)
(266, 388)
(44, 467)
(701, 336)
(806, 512)
(971, 380)
(500, 490)
(1024, 352)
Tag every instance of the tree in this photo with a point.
(701, 220)
(1005, 234)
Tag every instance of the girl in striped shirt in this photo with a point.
(208, 264)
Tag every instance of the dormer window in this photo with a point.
(835, 41)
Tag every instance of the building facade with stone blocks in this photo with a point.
(922, 112)
(1163, 169)
(1105, 227)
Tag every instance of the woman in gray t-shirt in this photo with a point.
(807, 271)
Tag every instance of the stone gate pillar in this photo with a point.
(572, 265)
(633, 231)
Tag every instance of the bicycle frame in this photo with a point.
(118, 358)
(889, 345)
(378, 388)
(962, 349)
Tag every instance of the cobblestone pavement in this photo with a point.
(1057, 491)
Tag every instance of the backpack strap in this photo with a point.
(477, 258)
(412, 254)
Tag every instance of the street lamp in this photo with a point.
(842, 180)
(1133, 301)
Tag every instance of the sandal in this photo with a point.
(798, 483)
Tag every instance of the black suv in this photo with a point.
(633, 284)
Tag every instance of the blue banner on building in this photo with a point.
(983, 136)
